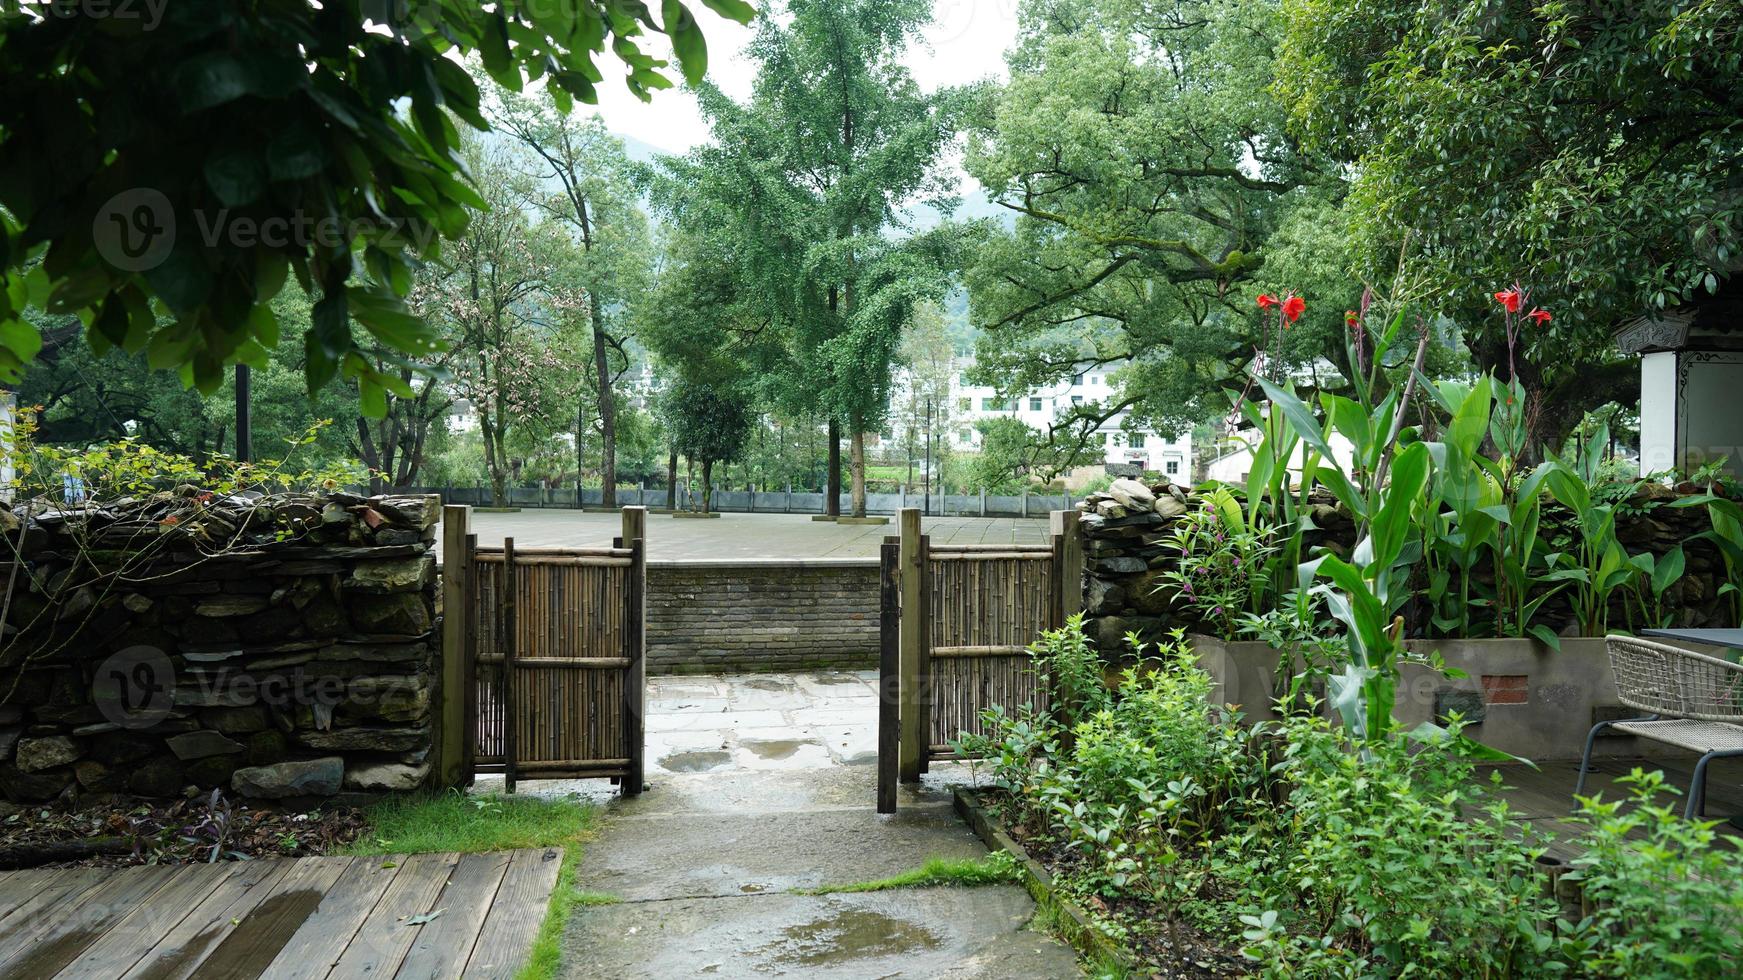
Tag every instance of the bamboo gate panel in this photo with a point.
(957, 623)
(555, 651)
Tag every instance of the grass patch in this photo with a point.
(967, 872)
(456, 821)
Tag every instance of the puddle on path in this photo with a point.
(775, 749)
(700, 761)
(764, 684)
(849, 935)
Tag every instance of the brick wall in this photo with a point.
(747, 617)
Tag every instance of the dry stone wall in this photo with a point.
(281, 647)
(1125, 530)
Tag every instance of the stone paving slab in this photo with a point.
(743, 537)
(682, 855)
(930, 932)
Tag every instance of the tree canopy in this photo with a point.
(192, 166)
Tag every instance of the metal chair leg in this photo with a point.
(1697, 804)
(1586, 759)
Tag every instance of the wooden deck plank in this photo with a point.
(384, 937)
(441, 952)
(57, 888)
(60, 934)
(515, 916)
(180, 951)
(320, 942)
(264, 931)
(20, 887)
(126, 941)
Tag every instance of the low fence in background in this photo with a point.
(765, 501)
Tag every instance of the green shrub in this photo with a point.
(1319, 856)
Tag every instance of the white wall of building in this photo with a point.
(1658, 448)
(1162, 452)
(1233, 467)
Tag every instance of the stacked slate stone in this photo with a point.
(298, 633)
(1125, 530)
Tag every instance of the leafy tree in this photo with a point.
(487, 300)
(806, 183)
(191, 166)
(709, 422)
(594, 199)
(1002, 465)
(1591, 152)
(1154, 188)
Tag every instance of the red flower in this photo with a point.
(1510, 299)
(1351, 319)
(1292, 308)
(1541, 316)
(1266, 301)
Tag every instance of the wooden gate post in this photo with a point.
(510, 647)
(453, 765)
(915, 606)
(1068, 554)
(889, 670)
(635, 537)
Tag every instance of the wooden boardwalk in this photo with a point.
(423, 915)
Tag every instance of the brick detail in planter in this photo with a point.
(1506, 689)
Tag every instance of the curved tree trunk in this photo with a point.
(607, 412)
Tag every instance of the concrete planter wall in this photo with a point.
(759, 616)
(1520, 696)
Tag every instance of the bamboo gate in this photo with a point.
(956, 624)
(545, 648)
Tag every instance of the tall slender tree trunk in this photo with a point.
(708, 486)
(832, 494)
(858, 471)
(672, 480)
(607, 410)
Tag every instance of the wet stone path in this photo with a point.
(760, 787)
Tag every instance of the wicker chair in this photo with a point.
(1696, 703)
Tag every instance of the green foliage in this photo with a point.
(455, 821)
(1151, 179)
(1591, 149)
(709, 424)
(1663, 890)
(1221, 569)
(314, 140)
(1316, 861)
(994, 869)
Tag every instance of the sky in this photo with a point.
(966, 43)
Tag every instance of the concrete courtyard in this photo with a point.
(760, 789)
(746, 537)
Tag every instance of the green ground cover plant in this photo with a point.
(456, 821)
(1311, 850)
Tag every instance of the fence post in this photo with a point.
(983, 501)
(1068, 551)
(635, 537)
(889, 670)
(452, 736)
(913, 638)
(510, 645)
